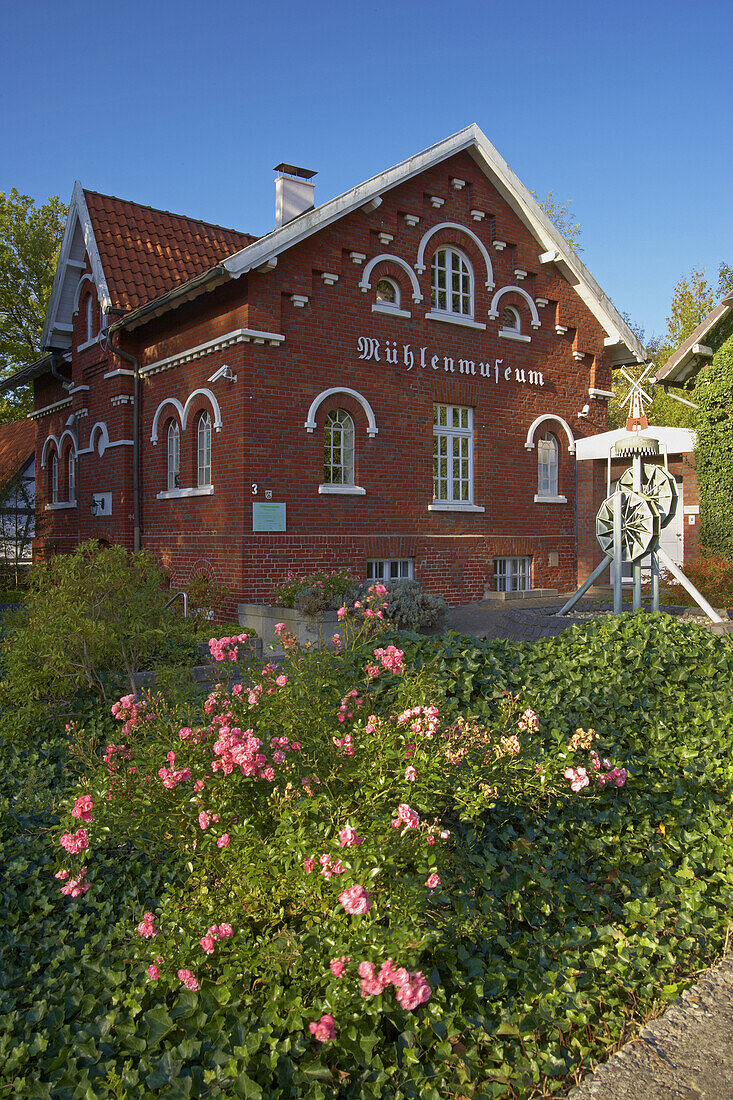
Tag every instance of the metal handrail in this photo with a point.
(173, 599)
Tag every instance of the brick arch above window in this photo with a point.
(454, 227)
(387, 257)
(549, 419)
(494, 311)
(50, 441)
(310, 423)
(184, 410)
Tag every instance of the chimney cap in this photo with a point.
(293, 170)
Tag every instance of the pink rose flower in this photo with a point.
(153, 972)
(355, 900)
(324, 1029)
(83, 808)
(309, 865)
(281, 681)
(208, 943)
(349, 839)
(225, 931)
(410, 774)
(337, 966)
(188, 980)
(223, 840)
(433, 881)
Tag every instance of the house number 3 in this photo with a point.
(254, 488)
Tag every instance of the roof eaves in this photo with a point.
(27, 374)
(185, 292)
(683, 362)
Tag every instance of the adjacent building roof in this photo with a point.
(17, 447)
(135, 253)
(145, 252)
(672, 440)
(698, 348)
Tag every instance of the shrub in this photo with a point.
(563, 916)
(314, 593)
(408, 607)
(90, 616)
(207, 598)
(712, 575)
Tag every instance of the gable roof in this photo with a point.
(697, 348)
(17, 447)
(135, 253)
(554, 248)
(145, 252)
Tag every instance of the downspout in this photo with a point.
(135, 438)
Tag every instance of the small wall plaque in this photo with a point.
(268, 516)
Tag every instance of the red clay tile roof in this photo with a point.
(17, 443)
(147, 252)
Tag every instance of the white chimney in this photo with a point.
(294, 193)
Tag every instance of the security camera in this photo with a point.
(223, 372)
(584, 412)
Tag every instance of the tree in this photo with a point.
(562, 217)
(692, 299)
(30, 239)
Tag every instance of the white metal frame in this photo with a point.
(173, 436)
(548, 452)
(203, 451)
(508, 570)
(386, 569)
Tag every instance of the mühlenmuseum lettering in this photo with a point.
(388, 351)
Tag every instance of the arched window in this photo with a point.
(90, 318)
(53, 478)
(338, 449)
(71, 475)
(510, 319)
(174, 455)
(388, 292)
(203, 464)
(547, 452)
(452, 283)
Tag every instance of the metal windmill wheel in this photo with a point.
(639, 520)
(658, 483)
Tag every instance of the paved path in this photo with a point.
(687, 1053)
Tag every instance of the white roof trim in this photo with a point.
(507, 184)
(78, 215)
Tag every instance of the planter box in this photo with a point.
(263, 619)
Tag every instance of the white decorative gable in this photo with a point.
(77, 245)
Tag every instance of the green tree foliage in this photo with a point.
(562, 216)
(30, 239)
(714, 451)
(692, 300)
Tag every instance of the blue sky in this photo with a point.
(621, 108)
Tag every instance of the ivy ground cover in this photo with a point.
(409, 868)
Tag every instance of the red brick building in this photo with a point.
(394, 380)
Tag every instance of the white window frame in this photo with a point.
(203, 451)
(90, 319)
(464, 297)
(173, 437)
(54, 478)
(548, 470)
(71, 467)
(338, 457)
(453, 441)
(513, 332)
(508, 571)
(381, 569)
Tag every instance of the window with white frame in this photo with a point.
(54, 478)
(512, 574)
(71, 468)
(90, 318)
(338, 449)
(388, 292)
(547, 466)
(452, 454)
(203, 464)
(510, 319)
(452, 283)
(174, 456)
(390, 569)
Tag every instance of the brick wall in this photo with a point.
(263, 440)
